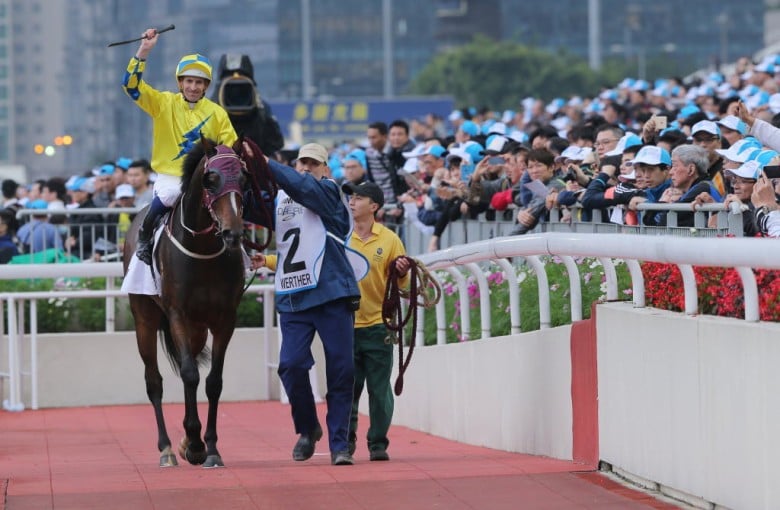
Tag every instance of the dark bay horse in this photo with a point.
(201, 268)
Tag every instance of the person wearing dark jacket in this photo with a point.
(688, 174)
(316, 292)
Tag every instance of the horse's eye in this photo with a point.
(212, 180)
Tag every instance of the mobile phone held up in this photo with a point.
(772, 172)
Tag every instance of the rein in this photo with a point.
(423, 291)
(264, 187)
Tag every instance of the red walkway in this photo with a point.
(106, 458)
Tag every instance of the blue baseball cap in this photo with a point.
(652, 155)
(470, 128)
(358, 155)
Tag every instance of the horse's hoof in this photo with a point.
(191, 456)
(167, 458)
(213, 461)
(195, 458)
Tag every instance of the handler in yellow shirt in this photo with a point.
(373, 354)
(178, 122)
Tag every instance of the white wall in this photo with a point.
(691, 403)
(83, 369)
(511, 393)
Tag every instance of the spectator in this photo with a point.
(688, 173)
(732, 129)
(54, 192)
(38, 234)
(398, 137)
(118, 224)
(120, 170)
(104, 184)
(138, 175)
(354, 165)
(706, 134)
(545, 187)
(8, 241)
(607, 138)
(767, 211)
(84, 228)
(651, 166)
(381, 171)
(10, 188)
(742, 180)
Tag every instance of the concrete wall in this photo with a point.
(83, 369)
(691, 403)
(511, 393)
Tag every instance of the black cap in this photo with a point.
(365, 189)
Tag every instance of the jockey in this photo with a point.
(179, 120)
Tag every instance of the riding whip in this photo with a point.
(157, 31)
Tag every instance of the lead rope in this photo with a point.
(263, 185)
(423, 291)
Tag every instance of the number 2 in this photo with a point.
(288, 265)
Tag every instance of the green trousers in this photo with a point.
(373, 368)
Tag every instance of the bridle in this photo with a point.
(227, 165)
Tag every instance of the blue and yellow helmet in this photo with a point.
(194, 65)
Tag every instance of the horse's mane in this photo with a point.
(191, 162)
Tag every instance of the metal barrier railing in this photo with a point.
(98, 241)
(12, 306)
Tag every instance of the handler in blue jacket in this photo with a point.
(316, 290)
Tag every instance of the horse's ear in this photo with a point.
(209, 147)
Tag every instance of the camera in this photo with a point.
(772, 172)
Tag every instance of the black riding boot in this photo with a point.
(144, 248)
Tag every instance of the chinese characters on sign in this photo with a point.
(348, 119)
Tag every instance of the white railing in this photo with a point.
(12, 306)
(741, 253)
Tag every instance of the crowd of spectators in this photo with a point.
(35, 217)
(715, 140)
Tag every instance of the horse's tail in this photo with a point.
(169, 346)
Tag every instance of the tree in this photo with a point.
(500, 74)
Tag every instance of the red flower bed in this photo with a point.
(719, 290)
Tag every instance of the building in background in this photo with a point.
(58, 78)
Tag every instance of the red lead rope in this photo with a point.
(423, 291)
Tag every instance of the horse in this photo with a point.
(201, 279)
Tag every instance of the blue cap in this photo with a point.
(106, 170)
(437, 151)
(358, 155)
(76, 184)
(123, 163)
(38, 204)
(689, 110)
(470, 128)
(474, 150)
(762, 156)
(652, 155)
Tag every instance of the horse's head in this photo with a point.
(224, 181)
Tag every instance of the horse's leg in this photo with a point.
(147, 316)
(214, 391)
(190, 341)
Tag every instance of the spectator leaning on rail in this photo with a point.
(706, 134)
(38, 234)
(688, 173)
(543, 184)
(84, 228)
(742, 180)
(651, 165)
(178, 122)
(767, 210)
